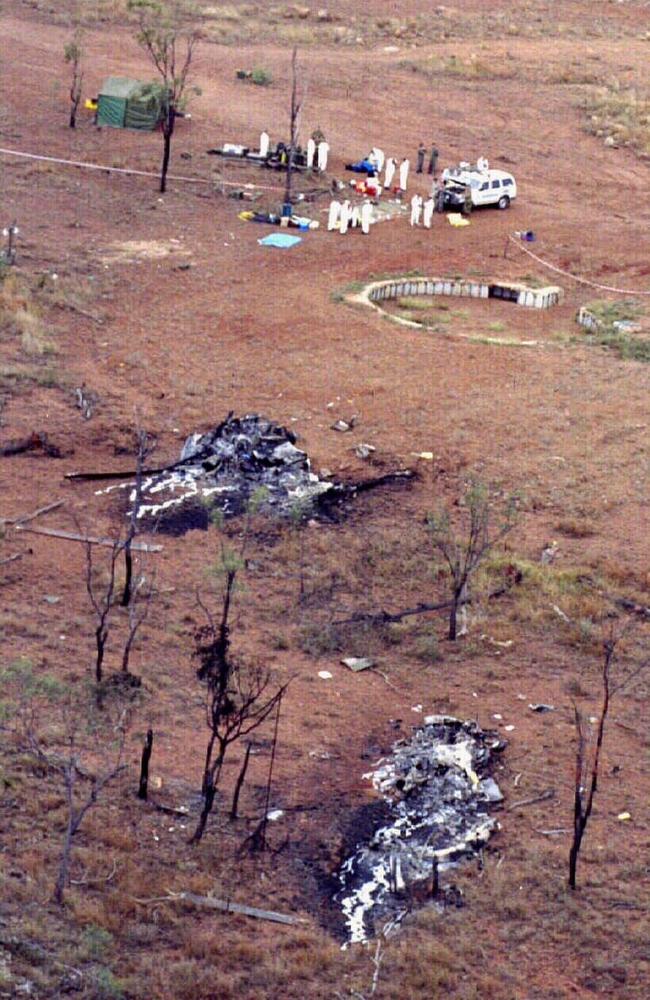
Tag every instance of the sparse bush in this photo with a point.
(428, 648)
(623, 113)
(95, 942)
(106, 986)
(261, 78)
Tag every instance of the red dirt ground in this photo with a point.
(255, 330)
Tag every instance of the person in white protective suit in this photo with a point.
(334, 215)
(323, 150)
(379, 157)
(345, 217)
(265, 141)
(390, 172)
(311, 153)
(416, 209)
(366, 217)
(427, 214)
(404, 173)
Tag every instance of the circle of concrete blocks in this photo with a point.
(395, 288)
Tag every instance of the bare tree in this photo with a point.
(166, 34)
(145, 448)
(147, 749)
(137, 613)
(79, 806)
(39, 708)
(101, 598)
(102, 591)
(586, 773)
(238, 701)
(463, 553)
(238, 696)
(294, 120)
(73, 55)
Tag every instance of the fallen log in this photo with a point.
(387, 617)
(34, 442)
(24, 518)
(542, 797)
(10, 559)
(225, 905)
(401, 475)
(69, 536)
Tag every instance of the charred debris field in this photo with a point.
(245, 464)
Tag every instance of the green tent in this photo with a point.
(125, 103)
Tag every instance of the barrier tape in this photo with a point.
(130, 170)
(574, 277)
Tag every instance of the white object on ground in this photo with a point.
(325, 675)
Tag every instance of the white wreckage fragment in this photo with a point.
(438, 793)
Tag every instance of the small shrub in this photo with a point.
(95, 942)
(106, 986)
(428, 648)
(574, 527)
(317, 640)
(261, 78)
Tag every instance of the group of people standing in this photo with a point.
(345, 216)
(432, 169)
(317, 150)
(422, 210)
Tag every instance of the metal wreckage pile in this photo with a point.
(437, 792)
(224, 468)
(241, 459)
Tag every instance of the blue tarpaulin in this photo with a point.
(281, 240)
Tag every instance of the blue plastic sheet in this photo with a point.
(281, 240)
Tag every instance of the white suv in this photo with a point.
(488, 187)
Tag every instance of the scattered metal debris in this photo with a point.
(357, 663)
(344, 425)
(541, 708)
(437, 793)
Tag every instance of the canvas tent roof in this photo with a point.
(127, 103)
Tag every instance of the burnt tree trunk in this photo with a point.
(128, 574)
(101, 634)
(143, 788)
(453, 619)
(208, 802)
(168, 131)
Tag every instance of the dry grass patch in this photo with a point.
(622, 113)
